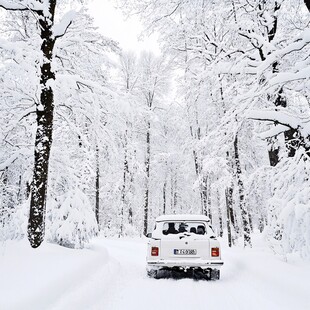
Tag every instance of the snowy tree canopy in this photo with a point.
(98, 139)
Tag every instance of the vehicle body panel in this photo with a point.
(182, 245)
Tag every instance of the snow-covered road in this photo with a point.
(111, 275)
(252, 279)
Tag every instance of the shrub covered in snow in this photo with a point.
(72, 222)
(289, 220)
(14, 221)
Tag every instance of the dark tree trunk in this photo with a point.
(43, 139)
(290, 135)
(28, 189)
(175, 195)
(97, 204)
(124, 187)
(4, 204)
(273, 152)
(130, 215)
(204, 196)
(209, 200)
(244, 213)
(250, 222)
(130, 212)
(20, 191)
(164, 197)
(221, 232)
(231, 210)
(203, 184)
(228, 220)
(197, 170)
(273, 148)
(147, 172)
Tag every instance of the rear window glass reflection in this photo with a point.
(173, 228)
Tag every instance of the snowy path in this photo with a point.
(244, 284)
(110, 275)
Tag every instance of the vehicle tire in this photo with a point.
(152, 273)
(199, 275)
(215, 274)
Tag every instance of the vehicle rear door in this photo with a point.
(186, 244)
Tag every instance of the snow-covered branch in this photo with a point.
(297, 45)
(273, 131)
(283, 118)
(61, 28)
(21, 5)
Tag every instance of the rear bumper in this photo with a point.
(203, 264)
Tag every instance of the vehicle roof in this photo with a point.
(183, 217)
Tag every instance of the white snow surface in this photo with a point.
(110, 274)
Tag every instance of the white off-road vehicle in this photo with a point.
(184, 243)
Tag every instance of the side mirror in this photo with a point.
(149, 235)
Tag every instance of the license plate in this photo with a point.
(185, 252)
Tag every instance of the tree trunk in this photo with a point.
(204, 196)
(220, 222)
(97, 205)
(250, 222)
(132, 189)
(220, 214)
(209, 201)
(203, 184)
(4, 205)
(175, 195)
(124, 187)
(273, 152)
(172, 193)
(43, 139)
(228, 220)
(280, 100)
(164, 197)
(244, 213)
(130, 215)
(147, 172)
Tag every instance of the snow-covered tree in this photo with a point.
(49, 31)
(79, 94)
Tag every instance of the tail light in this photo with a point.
(155, 251)
(215, 252)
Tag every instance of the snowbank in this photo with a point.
(38, 278)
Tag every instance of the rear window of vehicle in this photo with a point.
(172, 228)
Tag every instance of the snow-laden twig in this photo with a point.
(61, 28)
(9, 161)
(22, 5)
(283, 118)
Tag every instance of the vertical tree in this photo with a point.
(45, 14)
(153, 81)
(129, 79)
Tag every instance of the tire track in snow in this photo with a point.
(136, 291)
(242, 286)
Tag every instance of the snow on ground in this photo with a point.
(37, 278)
(110, 275)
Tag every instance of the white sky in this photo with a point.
(112, 23)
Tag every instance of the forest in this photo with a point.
(99, 140)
